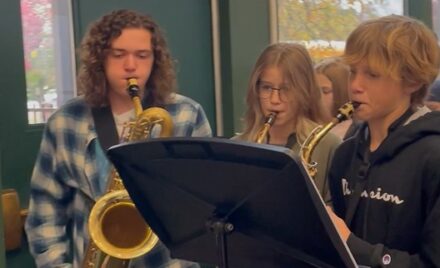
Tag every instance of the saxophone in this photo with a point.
(344, 113)
(262, 133)
(118, 232)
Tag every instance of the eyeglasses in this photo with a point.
(265, 91)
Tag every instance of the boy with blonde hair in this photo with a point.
(385, 180)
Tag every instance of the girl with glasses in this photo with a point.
(283, 82)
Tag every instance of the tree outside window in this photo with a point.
(323, 25)
(46, 83)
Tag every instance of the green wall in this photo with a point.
(244, 34)
(421, 10)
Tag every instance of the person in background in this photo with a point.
(385, 180)
(332, 76)
(72, 171)
(433, 100)
(283, 82)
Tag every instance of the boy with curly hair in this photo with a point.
(72, 170)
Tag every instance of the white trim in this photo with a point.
(405, 7)
(64, 49)
(217, 67)
(273, 21)
(72, 51)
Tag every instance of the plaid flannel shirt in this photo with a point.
(71, 173)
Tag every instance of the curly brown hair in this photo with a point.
(95, 45)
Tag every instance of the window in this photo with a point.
(48, 56)
(323, 25)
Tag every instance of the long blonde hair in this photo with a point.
(297, 67)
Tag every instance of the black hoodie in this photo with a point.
(390, 199)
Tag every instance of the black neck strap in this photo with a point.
(105, 127)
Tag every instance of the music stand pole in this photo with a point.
(220, 228)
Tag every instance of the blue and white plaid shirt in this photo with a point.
(71, 173)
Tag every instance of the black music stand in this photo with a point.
(230, 203)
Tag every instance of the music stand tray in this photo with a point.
(230, 203)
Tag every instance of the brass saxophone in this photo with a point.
(344, 113)
(118, 232)
(262, 133)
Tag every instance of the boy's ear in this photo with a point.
(411, 87)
